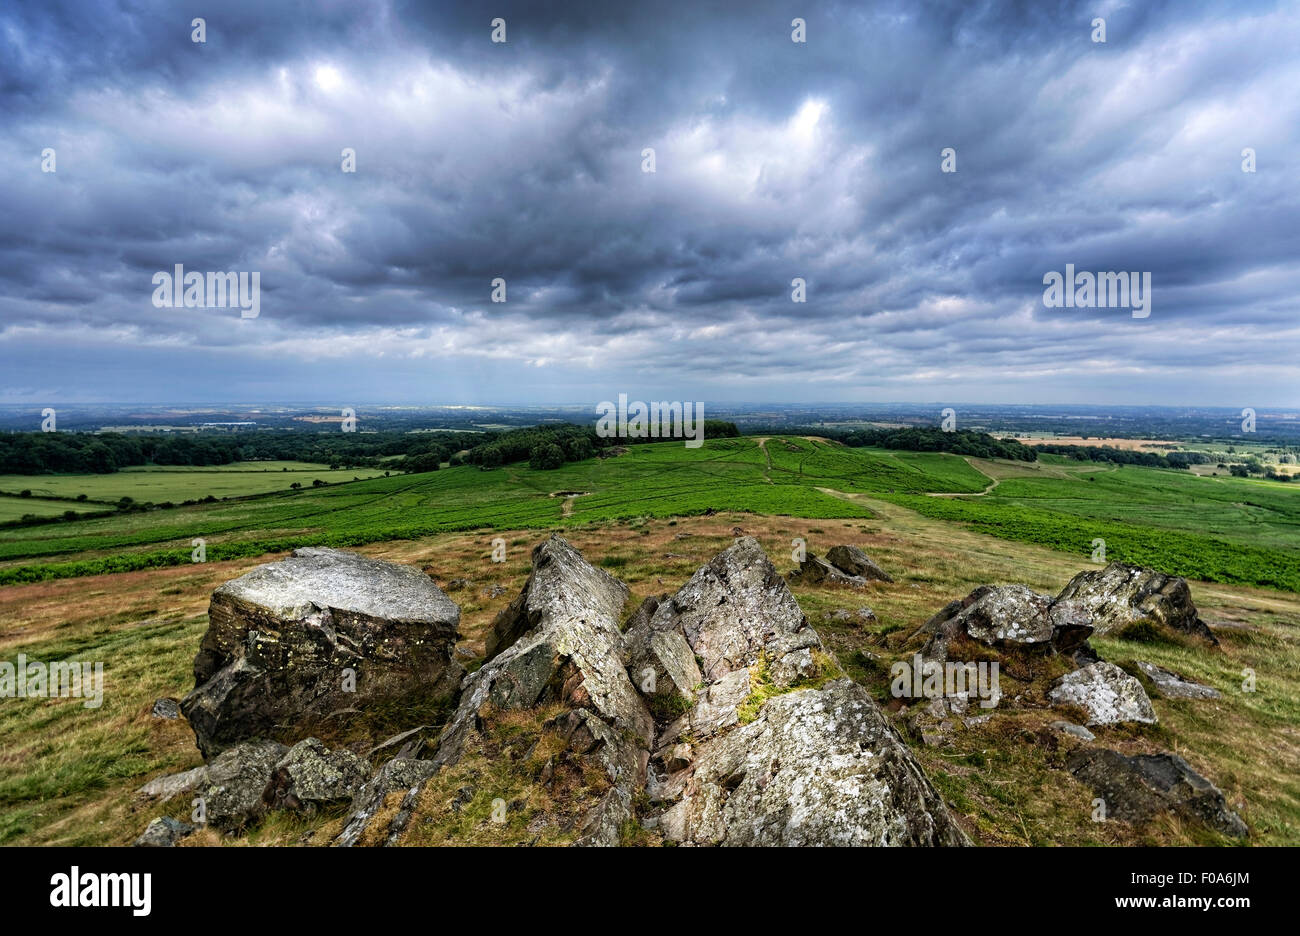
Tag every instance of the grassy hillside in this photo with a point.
(1218, 529)
(69, 773)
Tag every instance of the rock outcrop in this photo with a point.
(1121, 595)
(293, 642)
(559, 642)
(1136, 788)
(1172, 686)
(1107, 693)
(808, 766)
(163, 832)
(843, 565)
(1006, 616)
(233, 783)
(311, 776)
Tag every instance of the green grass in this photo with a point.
(15, 508)
(177, 483)
(1219, 529)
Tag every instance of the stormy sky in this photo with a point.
(773, 160)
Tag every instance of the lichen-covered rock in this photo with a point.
(814, 570)
(311, 776)
(1008, 616)
(815, 766)
(401, 774)
(559, 642)
(233, 783)
(283, 639)
(1136, 788)
(735, 607)
(853, 561)
(1120, 595)
(818, 767)
(1172, 686)
(1107, 693)
(163, 832)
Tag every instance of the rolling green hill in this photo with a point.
(1221, 529)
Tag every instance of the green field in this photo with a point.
(1220, 529)
(158, 484)
(15, 508)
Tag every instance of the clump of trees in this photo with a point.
(1118, 456)
(929, 439)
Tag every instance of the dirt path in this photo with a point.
(767, 472)
(996, 482)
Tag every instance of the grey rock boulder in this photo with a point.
(1137, 788)
(280, 638)
(1172, 686)
(1077, 731)
(1120, 595)
(1005, 616)
(1107, 693)
(818, 767)
(310, 776)
(233, 783)
(559, 642)
(166, 709)
(853, 561)
(814, 570)
(164, 788)
(163, 832)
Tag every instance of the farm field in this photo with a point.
(14, 508)
(1220, 529)
(177, 483)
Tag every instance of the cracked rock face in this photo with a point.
(853, 561)
(1120, 594)
(1107, 693)
(281, 637)
(816, 766)
(310, 776)
(1137, 788)
(559, 641)
(233, 783)
(1009, 616)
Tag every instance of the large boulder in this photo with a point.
(1107, 693)
(853, 561)
(817, 767)
(1120, 595)
(809, 766)
(280, 638)
(814, 570)
(1136, 788)
(1006, 616)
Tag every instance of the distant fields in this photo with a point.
(181, 483)
(1221, 529)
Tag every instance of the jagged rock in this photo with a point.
(400, 773)
(1137, 788)
(163, 832)
(166, 708)
(1120, 595)
(818, 767)
(1173, 686)
(1077, 731)
(853, 561)
(164, 788)
(234, 781)
(1106, 692)
(559, 642)
(1008, 616)
(733, 608)
(814, 570)
(813, 766)
(310, 776)
(280, 638)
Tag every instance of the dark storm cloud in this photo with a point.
(775, 160)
